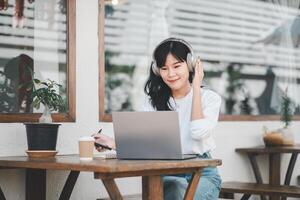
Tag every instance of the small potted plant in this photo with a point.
(43, 135)
(282, 136)
(286, 118)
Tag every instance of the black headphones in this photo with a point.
(190, 58)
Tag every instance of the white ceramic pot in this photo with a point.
(288, 136)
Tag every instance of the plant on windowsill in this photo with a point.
(282, 136)
(42, 136)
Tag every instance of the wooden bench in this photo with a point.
(230, 188)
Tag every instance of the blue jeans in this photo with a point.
(207, 189)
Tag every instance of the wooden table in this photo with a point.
(107, 170)
(274, 154)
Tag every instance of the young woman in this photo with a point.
(175, 83)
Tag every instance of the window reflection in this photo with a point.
(32, 40)
(250, 50)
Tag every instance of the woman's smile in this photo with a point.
(173, 80)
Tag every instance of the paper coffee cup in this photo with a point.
(86, 147)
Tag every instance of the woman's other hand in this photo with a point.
(105, 140)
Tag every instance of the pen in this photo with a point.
(93, 135)
(102, 146)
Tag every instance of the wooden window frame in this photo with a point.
(105, 117)
(70, 115)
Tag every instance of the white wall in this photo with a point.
(229, 135)
(236, 166)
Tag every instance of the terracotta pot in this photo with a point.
(280, 137)
(273, 139)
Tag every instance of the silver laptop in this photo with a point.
(148, 135)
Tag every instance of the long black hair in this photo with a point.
(158, 91)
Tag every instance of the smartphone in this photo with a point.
(102, 145)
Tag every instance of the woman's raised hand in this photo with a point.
(199, 74)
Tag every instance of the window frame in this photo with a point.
(106, 117)
(70, 115)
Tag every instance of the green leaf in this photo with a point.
(44, 83)
(37, 81)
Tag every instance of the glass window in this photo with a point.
(34, 42)
(249, 49)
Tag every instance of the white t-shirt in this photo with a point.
(196, 135)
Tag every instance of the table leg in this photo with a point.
(112, 189)
(69, 185)
(274, 172)
(257, 174)
(192, 187)
(246, 196)
(290, 170)
(2, 197)
(35, 184)
(152, 187)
